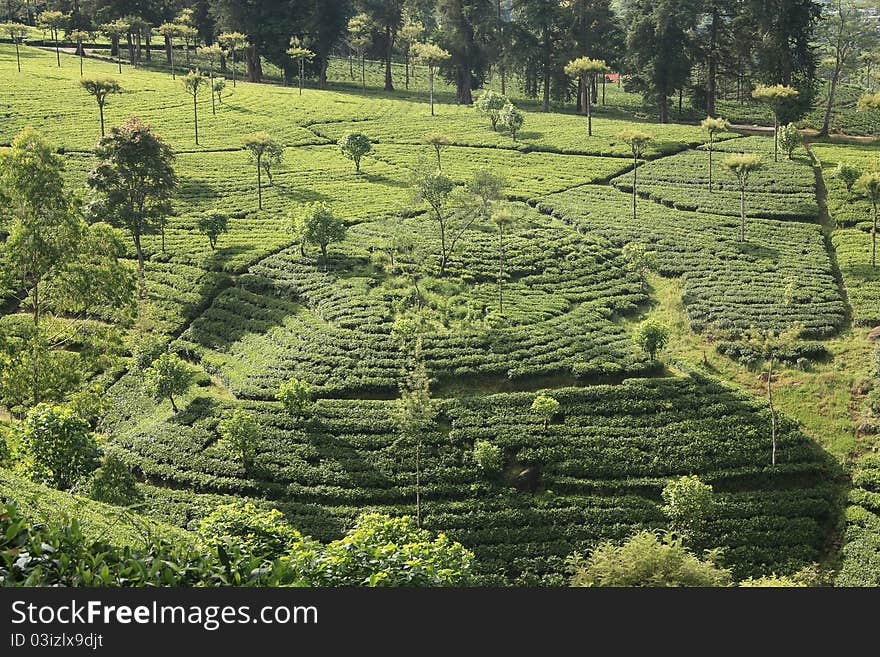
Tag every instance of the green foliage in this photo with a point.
(58, 553)
(239, 431)
(647, 560)
(742, 165)
(636, 140)
(354, 145)
(511, 119)
(789, 139)
(689, 503)
(384, 551)
(848, 174)
(111, 483)
(320, 226)
(244, 527)
(490, 103)
(213, 224)
(545, 407)
(295, 396)
(488, 456)
(651, 336)
(168, 376)
(54, 446)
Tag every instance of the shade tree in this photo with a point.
(638, 143)
(133, 183)
(168, 377)
(239, 431)
(100, 87)
(17, 33)
(511, 119)
(213, 224)
(713, 127)
(192, 84)
(258, 144)
(354, 145)
(651, 336)
(490, 103)
(585, 69)
(114, 31)
(777, 96)
(53, 21)
(742, 165)
(432, 56)
(438, 141)
(299, 52)
(214, 54)
(320, 226)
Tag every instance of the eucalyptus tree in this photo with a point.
(360, 37)
(438, 141)
(410, 33)
(169, 31)
(100, 87)
(79, 36)
(17, 33)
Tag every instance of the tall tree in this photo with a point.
(133, 182)
(658, 47)
(466, 33)
(100, 87)
(845, 27)
(53, 21)
(387, 15)
(192, 84)
(544, 23)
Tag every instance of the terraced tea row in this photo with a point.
(778, 279)
(598, 468)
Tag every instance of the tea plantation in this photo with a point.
(262, 308)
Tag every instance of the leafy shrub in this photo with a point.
(53, 445)
(295, 396)
(254, 531)
(689, 503)
(646, 560)
(239, 433)
(488, 456)
(112, 483)
(354, 145)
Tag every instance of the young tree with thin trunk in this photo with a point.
(79, 36)
(360, 37)
(438, 141)
(53, 21)
(114, 31)
(212, 53)
(742, 165)
(17, 33)
(100, 87)
(320, 226)
(868, 185)
(233, 42)
(409, 34)
(511, 119)
(713, 127)
(354, 145)
(168, 376)
(848, 174)
(192, 84)
(416, 410)
(490, 103)
(776, 96)
(217, 88)
(586, 70)
(431, 56)
(257, 144)
(503, 220)
(302, 54)
(638, 142)
(133, 182)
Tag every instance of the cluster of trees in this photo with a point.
(864, 184)
(554, 50)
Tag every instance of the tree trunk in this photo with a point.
(233, 68)
(775, 138)
(545, 105)
(196, 114)
(259, 185)
(130, 43)
(431, 85)
(213, 106)
(712, 64)
(389, 46)
(149, 38)
(140, 258)
(589, 115)
(710, 164)
(17, 56)
(874, 238)
(173, 405)
(635, 178)
(168, 50)
(664, 107)
(254, 64)
(101, 112)
(57, 48)
(173, 75)
(832, 90)
(363, 75)
(772, 410)
(742, 212)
